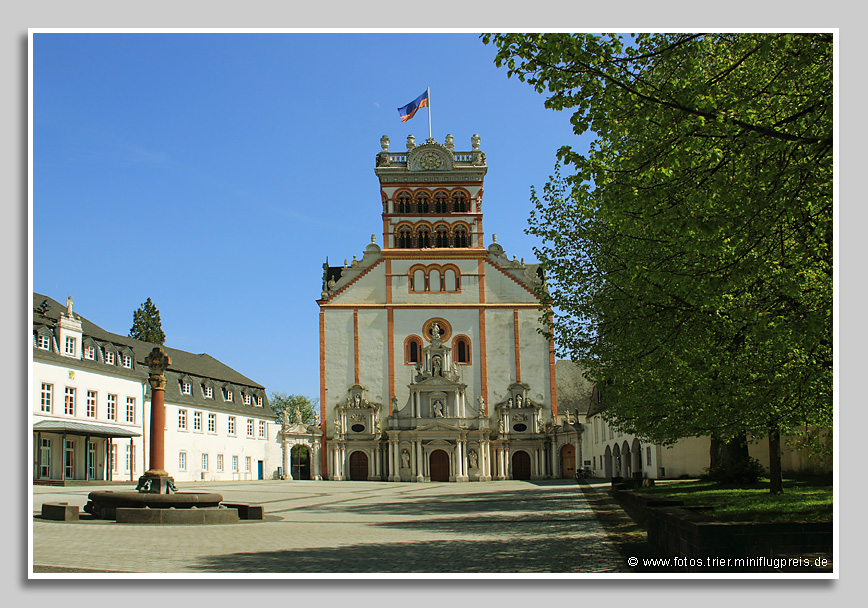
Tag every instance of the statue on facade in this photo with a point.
(285, 418)
(339, 428)
(297, 416)
(435, 331)
(69, 306)
(509, 402)
(316, 419)
(500, 428)
(438, 409)
(405, 459)
(435, 364)
(518, 401)
(481, 409)
(473, 459)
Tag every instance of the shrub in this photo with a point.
(743, 472)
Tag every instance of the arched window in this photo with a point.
(441, 203)
(403, 204)
(460, 238)
(423, 238)
(442, 238)
(419, 279)
(412, 350)
(434, 282)
(459, 203)
(449, 280)
(404, 239)
(461, 350)
(422, 203)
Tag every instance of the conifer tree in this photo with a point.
(146, 324)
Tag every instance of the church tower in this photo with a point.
(431, 365)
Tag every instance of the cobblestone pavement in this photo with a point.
(345, 527)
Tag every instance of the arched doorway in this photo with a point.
(439, 465)
(568, 461)
(521, 465)
(607, 463)
(358, 466)
(299, 457)
(627, 465)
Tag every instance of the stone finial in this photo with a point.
(158, 361)
(450, 142)
(493, 238)
(475, 141)
(411, 142)
(384, 143)
(374, 239)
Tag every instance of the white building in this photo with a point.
(91, 408)
(431, 365)
(609, 452)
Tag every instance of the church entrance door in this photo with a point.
(300, 458)
(358, 466)
(521, 465)
(568, 461)
(439, 466)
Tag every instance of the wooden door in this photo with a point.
(521, 465)
(568, 461)
(358, 466)
(439, 465)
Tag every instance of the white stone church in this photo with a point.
(431, 365)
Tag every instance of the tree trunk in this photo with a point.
(775, 482)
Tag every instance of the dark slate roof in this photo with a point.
(198, 367)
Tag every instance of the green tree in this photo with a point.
(689, 252)
(146, 324)
(283, 401)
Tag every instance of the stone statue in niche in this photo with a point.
(518, 401)
(358, 401)
(438, 409)
(437, 366)
(405, 459)
(473, 459)
(435, 331)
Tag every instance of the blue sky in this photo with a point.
(215, 172)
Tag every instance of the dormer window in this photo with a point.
(90, 352)
(186, 387)
(109, 357)
(246, 398)
(127, 361)
(259, 401)
(43, 342)
(227, 394)
(208, 392)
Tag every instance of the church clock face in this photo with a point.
(430, 160)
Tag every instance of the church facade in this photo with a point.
(431, 365)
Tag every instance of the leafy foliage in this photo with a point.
(147, 325)
(689, 251)
(283, 401)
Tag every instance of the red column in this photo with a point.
(158, 425)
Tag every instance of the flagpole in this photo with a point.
(429, 112)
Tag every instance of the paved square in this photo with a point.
(345, 527)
